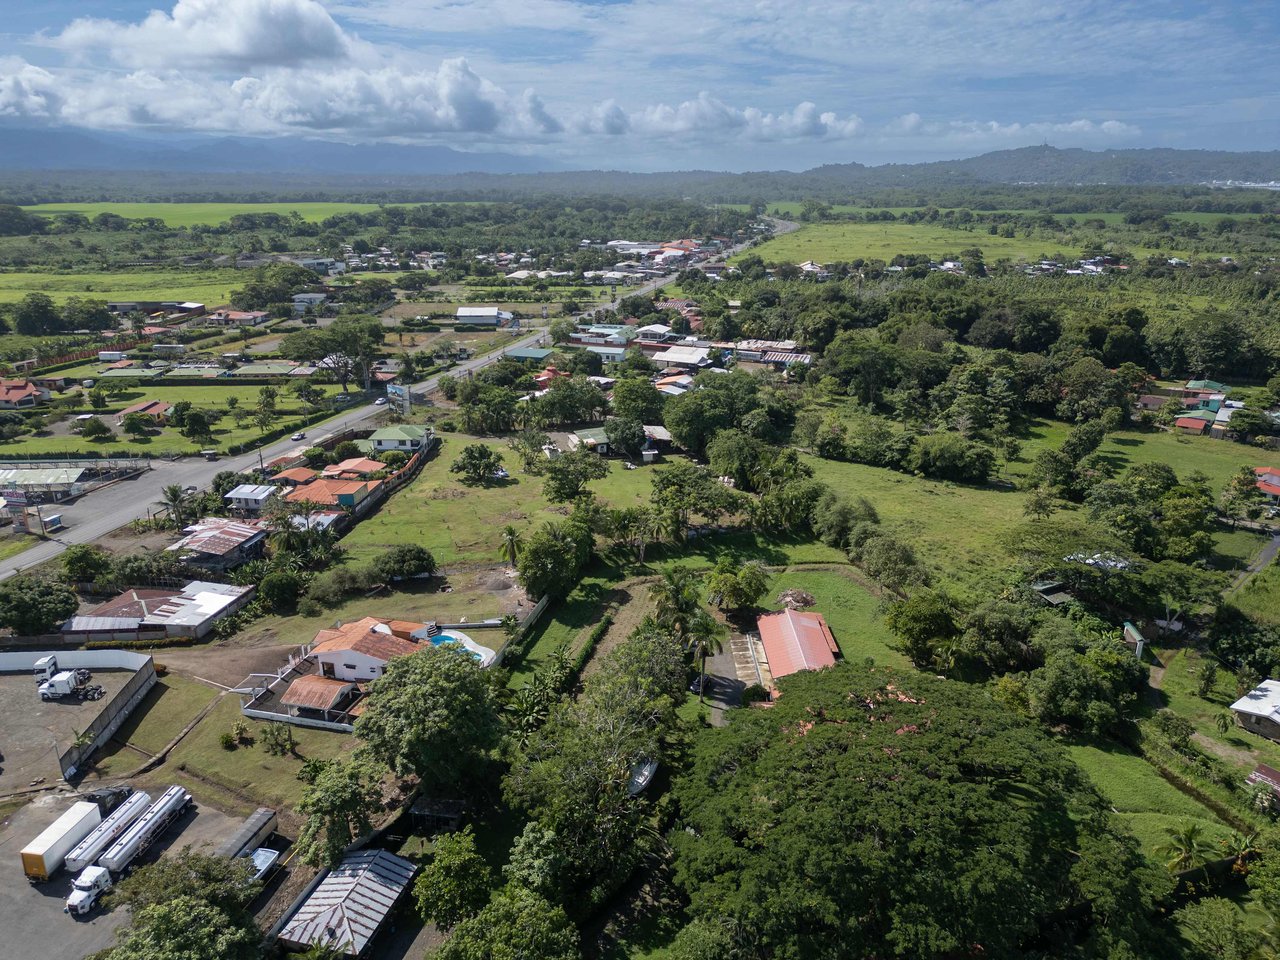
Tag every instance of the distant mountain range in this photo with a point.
(39, 165)
(70, 149)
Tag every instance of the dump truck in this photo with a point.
(88, 850)
(85, 890)
(45, 855)
(145, 830)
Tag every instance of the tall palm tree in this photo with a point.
(652, 529)
(1224, 721)
(1186, 848)
(702, 637)
(176, 501)
(512, 544)
(675, 598)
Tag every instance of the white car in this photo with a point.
(380, 402)
(299, 436)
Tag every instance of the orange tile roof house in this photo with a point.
(295, 476)
(1268, 481)
(356, 467)
(316, 693)
(794, 640)
(334, 493)
(360, 650)
(17, 394)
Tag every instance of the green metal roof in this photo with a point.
(401, 431)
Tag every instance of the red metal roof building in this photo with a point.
(1191, 424)
(1268, 481)
(795, 640)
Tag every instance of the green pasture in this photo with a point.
(210, 287)
(1260, 596)
(830, 242)
(462, 524)
(1140, 798)
(200, 214)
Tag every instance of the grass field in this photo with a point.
(248, 776)
(829, 242)
(849, 609)
(10, 544)
(461, 524)
(1260, 596)
(169, 706)
(193, 214)
(1143, 800)
(210, 287)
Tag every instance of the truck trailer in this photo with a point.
(106, 833)
(144, 831)
(45, 855)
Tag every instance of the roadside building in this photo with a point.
(483, 316)
(406, 437)
(145, 613)
(250, 498)
(157, 411)
(219, 544)
(329, 492)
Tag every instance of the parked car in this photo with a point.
(702, 684)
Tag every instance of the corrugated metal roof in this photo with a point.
(351, 903)
(795, 640)
(39, 476)
(314, 692)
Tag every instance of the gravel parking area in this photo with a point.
(33, 732)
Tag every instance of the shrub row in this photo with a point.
(593, 640)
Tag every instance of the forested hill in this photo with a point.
(850, 183)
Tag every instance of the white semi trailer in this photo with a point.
(44, 856)
(150, 825)
(107, 832)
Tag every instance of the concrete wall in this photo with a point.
(114, 713)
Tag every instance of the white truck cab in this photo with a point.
(85, 890)
(59, 685)
(45, 668)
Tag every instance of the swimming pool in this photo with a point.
(481, 653)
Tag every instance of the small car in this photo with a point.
(702, 684)
(299, 436)
(380, 402)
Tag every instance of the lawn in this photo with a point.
(463, 524)
(470, 596)
(1260, 596)
(210, 287)
(1237, 746)
(169, 706)
(849, 609)
(248, 776)
(11, 544)
(1143, 800)
(207, 214)
(829, 242)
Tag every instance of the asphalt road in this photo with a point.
(98, 513)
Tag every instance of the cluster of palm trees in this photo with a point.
(1187, 847)
(677, 601)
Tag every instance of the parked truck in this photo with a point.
(62, 684)
(88, 850)
(45, 668)
(144, 831)
(92, 883)
(45, 855)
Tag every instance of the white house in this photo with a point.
(251, 497)
(483, 316)
(406, 437)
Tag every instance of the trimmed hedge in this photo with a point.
(589, 646)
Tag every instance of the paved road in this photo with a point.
(98, 513)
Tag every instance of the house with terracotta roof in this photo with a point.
(1191, 425)
(294, 477)
(795, 640)
(354, 468)
(1269, 482)
(157, 411)
(330, 492)
(21, 394)
(360, 650)
(318, 694)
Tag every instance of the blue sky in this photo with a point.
(658, 84)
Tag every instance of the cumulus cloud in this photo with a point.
(707, 116)
(26, 90)
(214, 34)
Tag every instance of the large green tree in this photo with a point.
(516, 924)
(903, 815)
(31, 606)
(432, 714)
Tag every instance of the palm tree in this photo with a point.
(175, 500)
(675, 598)
(702, 637)
(1186, 848)
(1241, 846)
(512, 544)
(1224, 721)
(652, 529)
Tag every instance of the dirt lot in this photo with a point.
(35, 732)
(34, 924)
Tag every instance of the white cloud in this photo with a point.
(26, 90)
(706, 116)
(214, 34)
